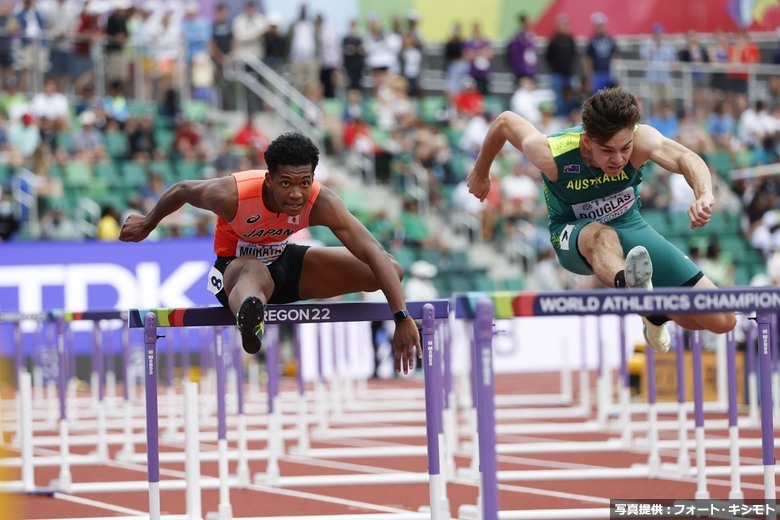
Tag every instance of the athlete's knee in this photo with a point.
(599, 237)
(723, 322)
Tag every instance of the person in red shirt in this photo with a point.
(743, 52)
(257, 211)
(469, 101)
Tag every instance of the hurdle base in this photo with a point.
(468, 512)
(224, 512)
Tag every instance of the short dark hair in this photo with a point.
(291, 149)
(609, 111)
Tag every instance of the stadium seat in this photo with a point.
(77, 174)
(658, 220)
(134, 175)
(195, 110)
(116, 144)
(188, 170)
(514, 283)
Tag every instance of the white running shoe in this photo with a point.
(639, 275)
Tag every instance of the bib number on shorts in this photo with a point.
(215, 282)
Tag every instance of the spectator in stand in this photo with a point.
(411, 65)
(721, 126)
(561, 57)
(222, 42)
(304, 63)
(469, 101)
(87, 143)
(33, 50)
(521, 52)
(88, 33)
(694, 52)
(202, 77)
(108, 225)
(248, 27)
(274, 44)
(454, 58)
(116, 105)
(141, 144)
(61, 22)
(412, 28)
(51, 104)
(664, 120)
(756, 125)
(691, 133)
(9, 222)
(329, 57)
(661, 56)
(479, 53)
(13, 102)
(742, 52)
(8, 27)
(526, 99)
(167, 51)
(196, 30)
(381, 56)
(601, 50)
(24, 136)
(170, 108)
(140, 38)
(716, 266)
(251, 138)
(116, 65)
(719, 54)
(353, 56)
(57, 225)
(187, 142)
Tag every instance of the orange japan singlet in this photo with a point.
(255, 230)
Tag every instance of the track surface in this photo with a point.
(400, 422)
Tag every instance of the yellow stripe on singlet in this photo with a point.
(560, 144)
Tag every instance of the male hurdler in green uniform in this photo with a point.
(591, 177)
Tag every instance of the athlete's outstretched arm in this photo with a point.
(670, 155)
(521, 134)
(216, 195)
(329, 210)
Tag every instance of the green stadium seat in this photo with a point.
(164, 137)
(195, 110)
(134, 175)
(116, 144)
(108, 172)
(77, 174)
(429, 108)
(515, 283)
(164, 169)
(333, 107)
(658, 220)
(188, 170)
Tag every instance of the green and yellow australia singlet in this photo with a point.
(583, 194)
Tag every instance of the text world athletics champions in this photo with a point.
(648, 303)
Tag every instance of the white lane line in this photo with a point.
(101, 505)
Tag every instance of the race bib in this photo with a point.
(606, 208)
(266, 253)
(214, 281)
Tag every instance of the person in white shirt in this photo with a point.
(51, 104)
(248, 28)
(304, 62)
(329, 56)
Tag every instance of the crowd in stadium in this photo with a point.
(85, 131)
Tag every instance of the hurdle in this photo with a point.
(150, 319)
(763, 301)
(66, 459)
